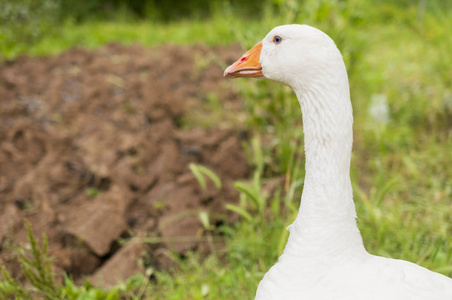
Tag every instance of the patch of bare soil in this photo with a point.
(92, 150)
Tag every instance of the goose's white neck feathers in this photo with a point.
(327, 218)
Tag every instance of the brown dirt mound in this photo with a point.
(92, 150)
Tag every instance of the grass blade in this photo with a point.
(243, 213)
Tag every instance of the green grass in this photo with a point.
(400, 166)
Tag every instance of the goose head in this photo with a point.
(294, 55)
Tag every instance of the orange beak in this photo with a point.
(248, 65)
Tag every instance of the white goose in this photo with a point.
(324, 257)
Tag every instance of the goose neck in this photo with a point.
(326, 222)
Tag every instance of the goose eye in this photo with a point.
(277, 39)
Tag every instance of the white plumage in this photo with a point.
(324, 257)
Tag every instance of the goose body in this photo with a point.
(324, 257)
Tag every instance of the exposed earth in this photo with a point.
(93, 152)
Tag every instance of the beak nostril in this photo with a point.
(248, 65)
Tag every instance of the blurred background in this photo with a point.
(153, 177)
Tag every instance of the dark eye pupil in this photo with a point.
(277, 39)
